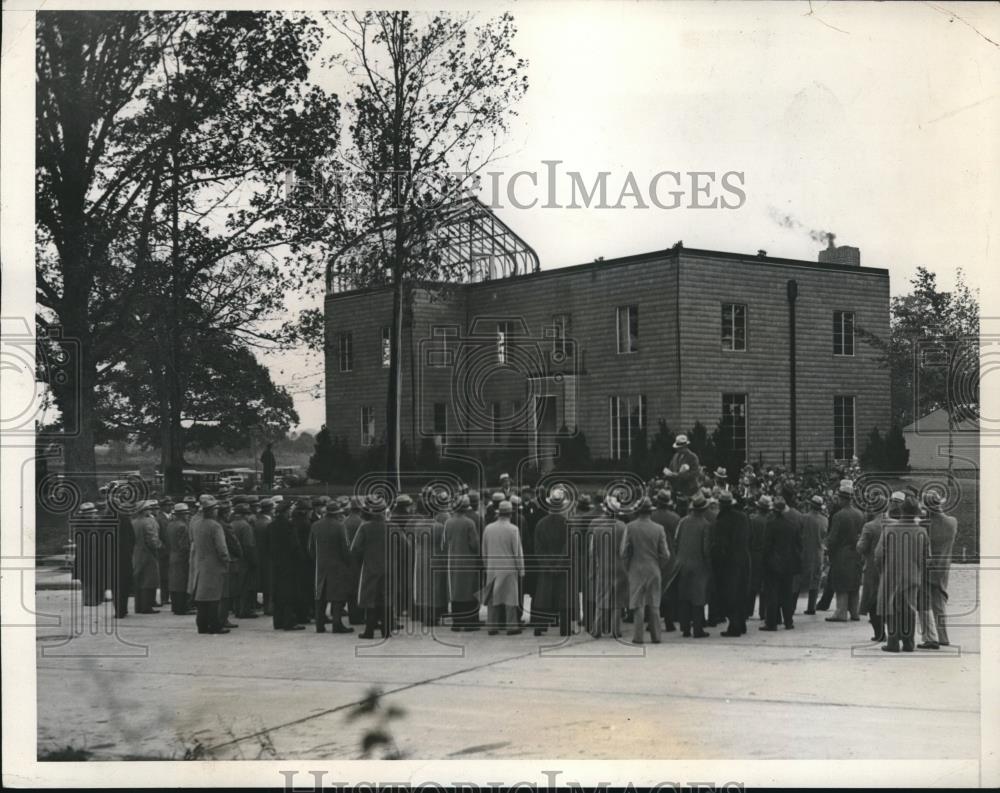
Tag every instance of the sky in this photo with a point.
(877, 122)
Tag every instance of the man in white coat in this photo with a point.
(503, 558)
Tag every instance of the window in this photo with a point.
(440, 423)
(346, 350)
(628, 417)
(734, 327)
(503, 334)
(495, 421)
(443, 352)
(560, 332)
(628, 329)
(386, 346)
(843, 333)
(843, 427)
(367, 426)
(734, 419)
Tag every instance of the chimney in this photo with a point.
(840, 254)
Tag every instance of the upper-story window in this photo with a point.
(560, 332)
(734, 327)
(628, 328)
(442, 352)
(367, 425)
(503, 336)
(843, 333)
(345, 348)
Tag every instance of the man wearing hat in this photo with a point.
(352, 521)
(211, 564)
(430, 588)
(506, 488)
(644, 551)
(260, 534)
(145, 558)
(902, 554)
(782, 560)
(694, 566)
(504, 560)
(814, 525)
(401, 526)
(664, 514)
(178, 554)
(90, 563)
(550, 605)
(731, 537)
(758, 529)
(162, 515)
(301, 525)
(230, 582)
(492, 509)
(284, 552)
(332, 556)
(845, 561)
(461, 545)
(245, 593)
(608, 576)
(871, 533)
(682, 471)
(370, 551)
(579, 525)
(941, 529)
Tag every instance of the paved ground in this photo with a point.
(157, 689)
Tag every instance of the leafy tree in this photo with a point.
(429, 100)
(701, 443)
(638, 459)
(874, 457)
(897, 456)
(661, 448)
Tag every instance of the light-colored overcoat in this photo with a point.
(211, 560)
(328, 546)
(503, 557)
(644, 551)
(814, 525)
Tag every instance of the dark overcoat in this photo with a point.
(461, 543)
(941, 529)
(329, 547)
(260, 540)
(179, 540)
(248, 546)
(732, 536)
(369, 551)
(871, 533)
(608, 576)
(211, 560)
(669, 519)
(694, 557)
(146, 553)
(124, 545)
(782, 547)
(758, 528)
(430, 581)
(551, 542)
(841, 545)
(283, 546)
(231, 581)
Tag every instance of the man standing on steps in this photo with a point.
(845, 561)
(942, 529)
(682, 472)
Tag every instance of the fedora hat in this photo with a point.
(505, 508)
(764, 502)
(846, 487)
(817, 500)
(721, 473)
(643, 505)
(699, 502)
(181, 508)
(726, 497)
(663, 498)
(87, 508)
(681, 440)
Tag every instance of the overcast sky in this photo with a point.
(878, 122)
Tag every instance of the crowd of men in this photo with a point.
(686, 553)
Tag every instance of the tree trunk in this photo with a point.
(75, 399)
(394, 399)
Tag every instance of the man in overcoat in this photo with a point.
(782, 558)
(301, 525)
(122, 584)
(245, 591)
(579, 528)
(795, 516)
(211, 564)
(608, 576)
(683, 471)
(430, 584)
(401, 550)
(90, 563)
(665, 515)
(845, 561)
(644, 552)
(694, 563)
(283, 546)
(354, 519)
(941, 529)
(732, 537)
(162, 515)
(758, 527)
(871, 533)
(369, 550)
(260, 523)
(504, 561)
(179, 553)
(146, 558)
(550, 604)
(814, 526)
(328, 547)
(902, 554)
(461, 545)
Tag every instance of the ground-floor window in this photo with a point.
(440, 423)
(627, 418)
(735, 419)
(843, 427)
(367, 425)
